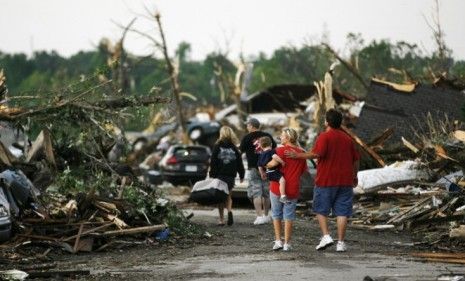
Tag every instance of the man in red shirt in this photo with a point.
(335, 178)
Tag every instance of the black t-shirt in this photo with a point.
(251, 147)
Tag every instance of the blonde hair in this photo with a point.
(227, 134)
(292, 135)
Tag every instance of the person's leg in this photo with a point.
(287, 231)
(322, 206)
(229, 208)
(266, 206)
(341, 227)
(229, 203)
(277, 229)
(343, 210)
(277, 215)
(323, 223)
(254, 191)
(289, 217)
(266, 197)
(258, 205)
(221, 213)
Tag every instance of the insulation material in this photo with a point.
(400, 172)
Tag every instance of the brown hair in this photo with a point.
(265, 141)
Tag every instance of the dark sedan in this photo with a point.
(185, 164)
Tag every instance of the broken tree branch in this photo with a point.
(348, 66)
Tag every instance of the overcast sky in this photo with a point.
(249, 26)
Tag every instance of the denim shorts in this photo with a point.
(280, 211)
(337, 199)
(257, 187)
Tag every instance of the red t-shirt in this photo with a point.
(291, 172)
(337, 154)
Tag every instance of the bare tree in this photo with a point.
(443, 53)
(347, 65)
(172, 68)
(235, 88)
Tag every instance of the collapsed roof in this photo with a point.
(406, 112)
(279, 98)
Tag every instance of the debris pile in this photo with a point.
(71, 188)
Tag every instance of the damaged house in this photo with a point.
(272, 105)
(386, 107)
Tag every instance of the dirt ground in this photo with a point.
(243, 252)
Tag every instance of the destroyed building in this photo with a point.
(405, 111)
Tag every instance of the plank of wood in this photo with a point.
(414, 208)
(440, 255)
(134, 230)
(404, 88)
(410, 146)
(365, 147)
(76, 243)
(117, 221)
(379, 140)
(446, 260)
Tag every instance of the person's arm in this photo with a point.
(278, 159)
(318, 151)
(240, 166)
(356, 167)
(356, 156)
(262, 172)
(301, 155)
(214, 162)
(273, 162)
(242, 145)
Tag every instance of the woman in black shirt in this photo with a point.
(225, 164)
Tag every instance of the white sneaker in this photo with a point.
(325, 242)
(287, 247)
(341, 246)
(259, 220)
(278, 245)
(267, 219)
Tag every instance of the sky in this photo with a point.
(239, 26)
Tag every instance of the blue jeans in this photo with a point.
(280, 211)
(337, 199)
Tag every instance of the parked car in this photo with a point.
(185, 163)
(306, 184)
